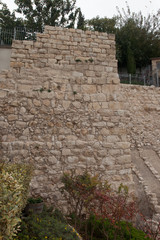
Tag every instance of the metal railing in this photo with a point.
(141, 79)
(17, 33)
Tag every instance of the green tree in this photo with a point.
(102, 24)
(39, 13)
(131, 65)
(81, 21)
(8, 18)
(137, 38)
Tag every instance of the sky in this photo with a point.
(107, 8)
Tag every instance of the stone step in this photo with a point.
(151, 196)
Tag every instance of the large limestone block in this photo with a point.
(88, 89)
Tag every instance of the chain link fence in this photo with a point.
(153, 78)
(17, 33)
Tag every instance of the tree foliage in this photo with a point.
(137, 37)
(131, 65)
(50, 12)
(102, 24)
(8, 19)
(38, 13)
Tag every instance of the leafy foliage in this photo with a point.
(47, 225)
(131, 65)
(34, 200)
(14, 184)
(7, 19)
(95, 210)
(99, 229)
(94, 205)
(50, 12)
(137, 37)
(102, 24)
(140, 35)
(79, 191)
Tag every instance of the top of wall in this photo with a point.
(69, 53)
(156, 58)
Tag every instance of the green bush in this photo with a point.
(100, 229)
(47, 225)
(78, 191)
(34, 200)
(14, 185)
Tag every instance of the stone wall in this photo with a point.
(143, 131)
(61, 109)
(68, 53)
(143, 121)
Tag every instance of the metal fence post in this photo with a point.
(0, 35)
(144, 78)
(157, 78)
(14, 36)
(130, 79)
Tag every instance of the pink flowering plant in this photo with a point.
(94, 208)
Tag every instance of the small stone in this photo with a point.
(46, 103)
(22, 110)
(37, 103)
(66, 152)
(52, 160)
(12, 117)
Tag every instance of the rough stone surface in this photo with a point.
(143, 133)
(62, 108)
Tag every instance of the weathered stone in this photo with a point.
(80, 143)
(20, 124)
(108, 161)
(99, 97)
(22, 87)
(3, 94)
(99, 124)
(22, 110)
(52, 160)
(66, 104)
(37, 103)
(72, 160)
(16, 64)
(105, 132)
(77, 74)
(123, 159)
(112, 139)
(12, 117)
(63, 108)
(76, 104)
(26, 132)
(96, 106)
(123, 145)
(89, 89)
(45, 102)
(105, 105)
(90, 73)
(3, 124)
(66, 152)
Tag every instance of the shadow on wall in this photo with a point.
(5, 54)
